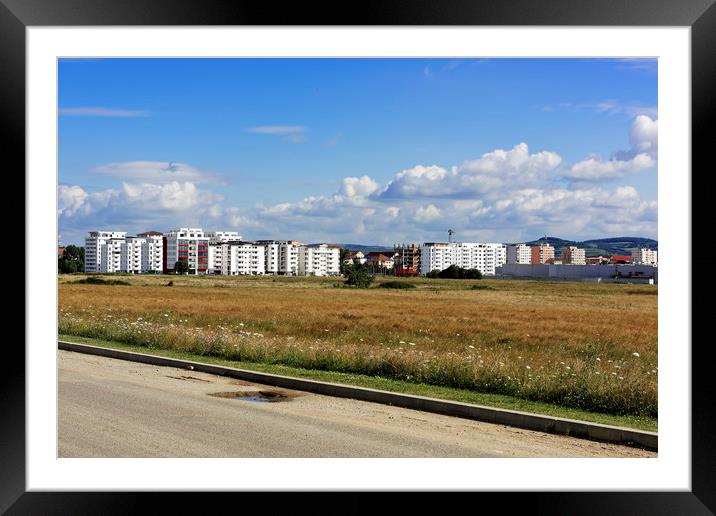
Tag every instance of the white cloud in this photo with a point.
(102, 112)
(643, 155)
(427, 213)
(359, 186)
(491, 172)
(155, 172)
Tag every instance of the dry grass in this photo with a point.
(567, 343)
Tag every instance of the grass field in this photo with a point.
(585, 346)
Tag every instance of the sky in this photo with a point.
(368, 151)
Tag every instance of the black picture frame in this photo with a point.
(699, 15)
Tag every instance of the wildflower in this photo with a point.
(635, 354)
(528, 367)
(471, 347)
(599, 359)
(166, 315)
(411, 343)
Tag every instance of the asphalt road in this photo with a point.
(115, 408)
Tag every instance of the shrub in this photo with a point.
(396, 284)
(357, 275)
(100, 281)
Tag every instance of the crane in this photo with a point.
(451, 232)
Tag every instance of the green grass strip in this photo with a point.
(385, 384)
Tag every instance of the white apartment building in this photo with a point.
(573, 256)
(519, 253)
(93, 248)
(188, 244)
(282, 256)
(645, 256)
(131, 254)
(484, 257)
(152, 252)
(237, 258)
(319, 260)
(111, 255)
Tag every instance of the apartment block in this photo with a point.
(484, 257)
(543, 253)
(188, 244)
(645, 257)
(519, 253)
(573, 256)
(319, 260)
(282, 256)
(239, 257)
(111, 255)
(93, 248)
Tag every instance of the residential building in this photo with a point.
(239, 257)
(111, 255)
(543, 253)
(282, 256)
(188, 244)
(93, 248)
(352, 256)
(484, 257)
(645, 256)
(152, 243)
(319, 260)
(60, 252)
(380, 260)
(519, 253)
(573, 255)
(407, 258)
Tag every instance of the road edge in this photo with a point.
(525, 420)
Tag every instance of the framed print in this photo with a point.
(548, 65)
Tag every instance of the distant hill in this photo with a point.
(603, 246)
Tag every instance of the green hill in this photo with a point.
(603, 246)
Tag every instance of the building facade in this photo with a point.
(188, 244)
(484, 257)
(543, 253)
(407, 257)
(319, 260)
(573, 256)
(519, 253)
(234, 258)
(93, 248)
(282, 256)
(645, 257)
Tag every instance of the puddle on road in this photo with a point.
(255, 396)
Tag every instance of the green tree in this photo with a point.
(435, 273)
(358, 275)
(72, 260)
(181, 267)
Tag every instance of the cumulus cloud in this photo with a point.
(643, 155)
(359, 186)
(427, 213)
(503, 195)
(491, 172)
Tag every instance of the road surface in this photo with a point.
(115, 408)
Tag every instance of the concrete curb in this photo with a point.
(549, 424)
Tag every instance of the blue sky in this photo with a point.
(359, 150)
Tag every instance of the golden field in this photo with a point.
(583, 345)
